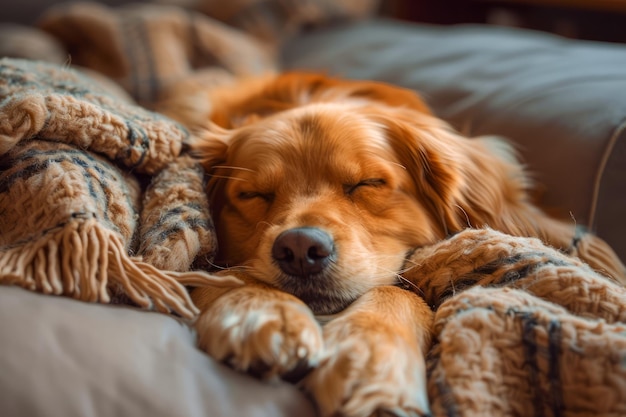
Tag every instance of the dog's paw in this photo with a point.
(265, 336)
(365, 373)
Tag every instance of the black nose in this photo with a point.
(303, 251)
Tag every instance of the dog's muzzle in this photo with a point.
(303, 251)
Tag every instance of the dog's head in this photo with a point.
(322, 187)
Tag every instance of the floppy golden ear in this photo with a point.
(432, 163)
(478, 182)
(465, 182)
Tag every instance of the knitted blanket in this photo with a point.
(520, 329)
(69, 202)
(98, 199)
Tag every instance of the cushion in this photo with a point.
(89, 360)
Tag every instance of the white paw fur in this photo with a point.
(268, 337)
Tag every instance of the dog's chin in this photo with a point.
(316, 292)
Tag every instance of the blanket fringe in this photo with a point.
(82, 259)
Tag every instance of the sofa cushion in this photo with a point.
(64, 358)
(558, 100)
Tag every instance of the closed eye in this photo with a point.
(370, 182)
(251, 195)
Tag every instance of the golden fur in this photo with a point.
(371, 167)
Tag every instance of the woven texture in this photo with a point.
(69, 205)
(176, 227)
(521, 329)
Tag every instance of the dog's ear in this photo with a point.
(478, 182)
(464, 182)
(431, 162)
(210, 145)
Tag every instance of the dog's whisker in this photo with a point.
(227, 177)
(233, 167)
(401, 279)
(216, 266)
(398, 276)
(385, 273)
(229, 268)
(467, 219)
(407, 269)
(261, 223)
(452, 286)
(415, 288)
(410, 265)
(240, 268)
(395, 163)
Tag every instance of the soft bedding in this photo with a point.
(65, 358)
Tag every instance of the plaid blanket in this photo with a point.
(98, 199)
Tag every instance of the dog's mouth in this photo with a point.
(306, 257)
(316, 292)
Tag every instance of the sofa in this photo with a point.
(559, 101)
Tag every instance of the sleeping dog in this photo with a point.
(320, 188)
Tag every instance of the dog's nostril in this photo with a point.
(286, 255)
(316, 252)
(303, 251)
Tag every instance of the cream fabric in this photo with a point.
(65, 358)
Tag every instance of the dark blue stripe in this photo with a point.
(135, 132)
(93, 182)
(446, 397)
(554, 373)
(98, 186)
(194, 224)
(529, 322)
(27, 172)
(444, 391)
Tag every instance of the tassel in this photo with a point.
(82, 259)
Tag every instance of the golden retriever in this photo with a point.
(320, 188)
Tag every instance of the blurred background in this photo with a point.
(603, 20)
